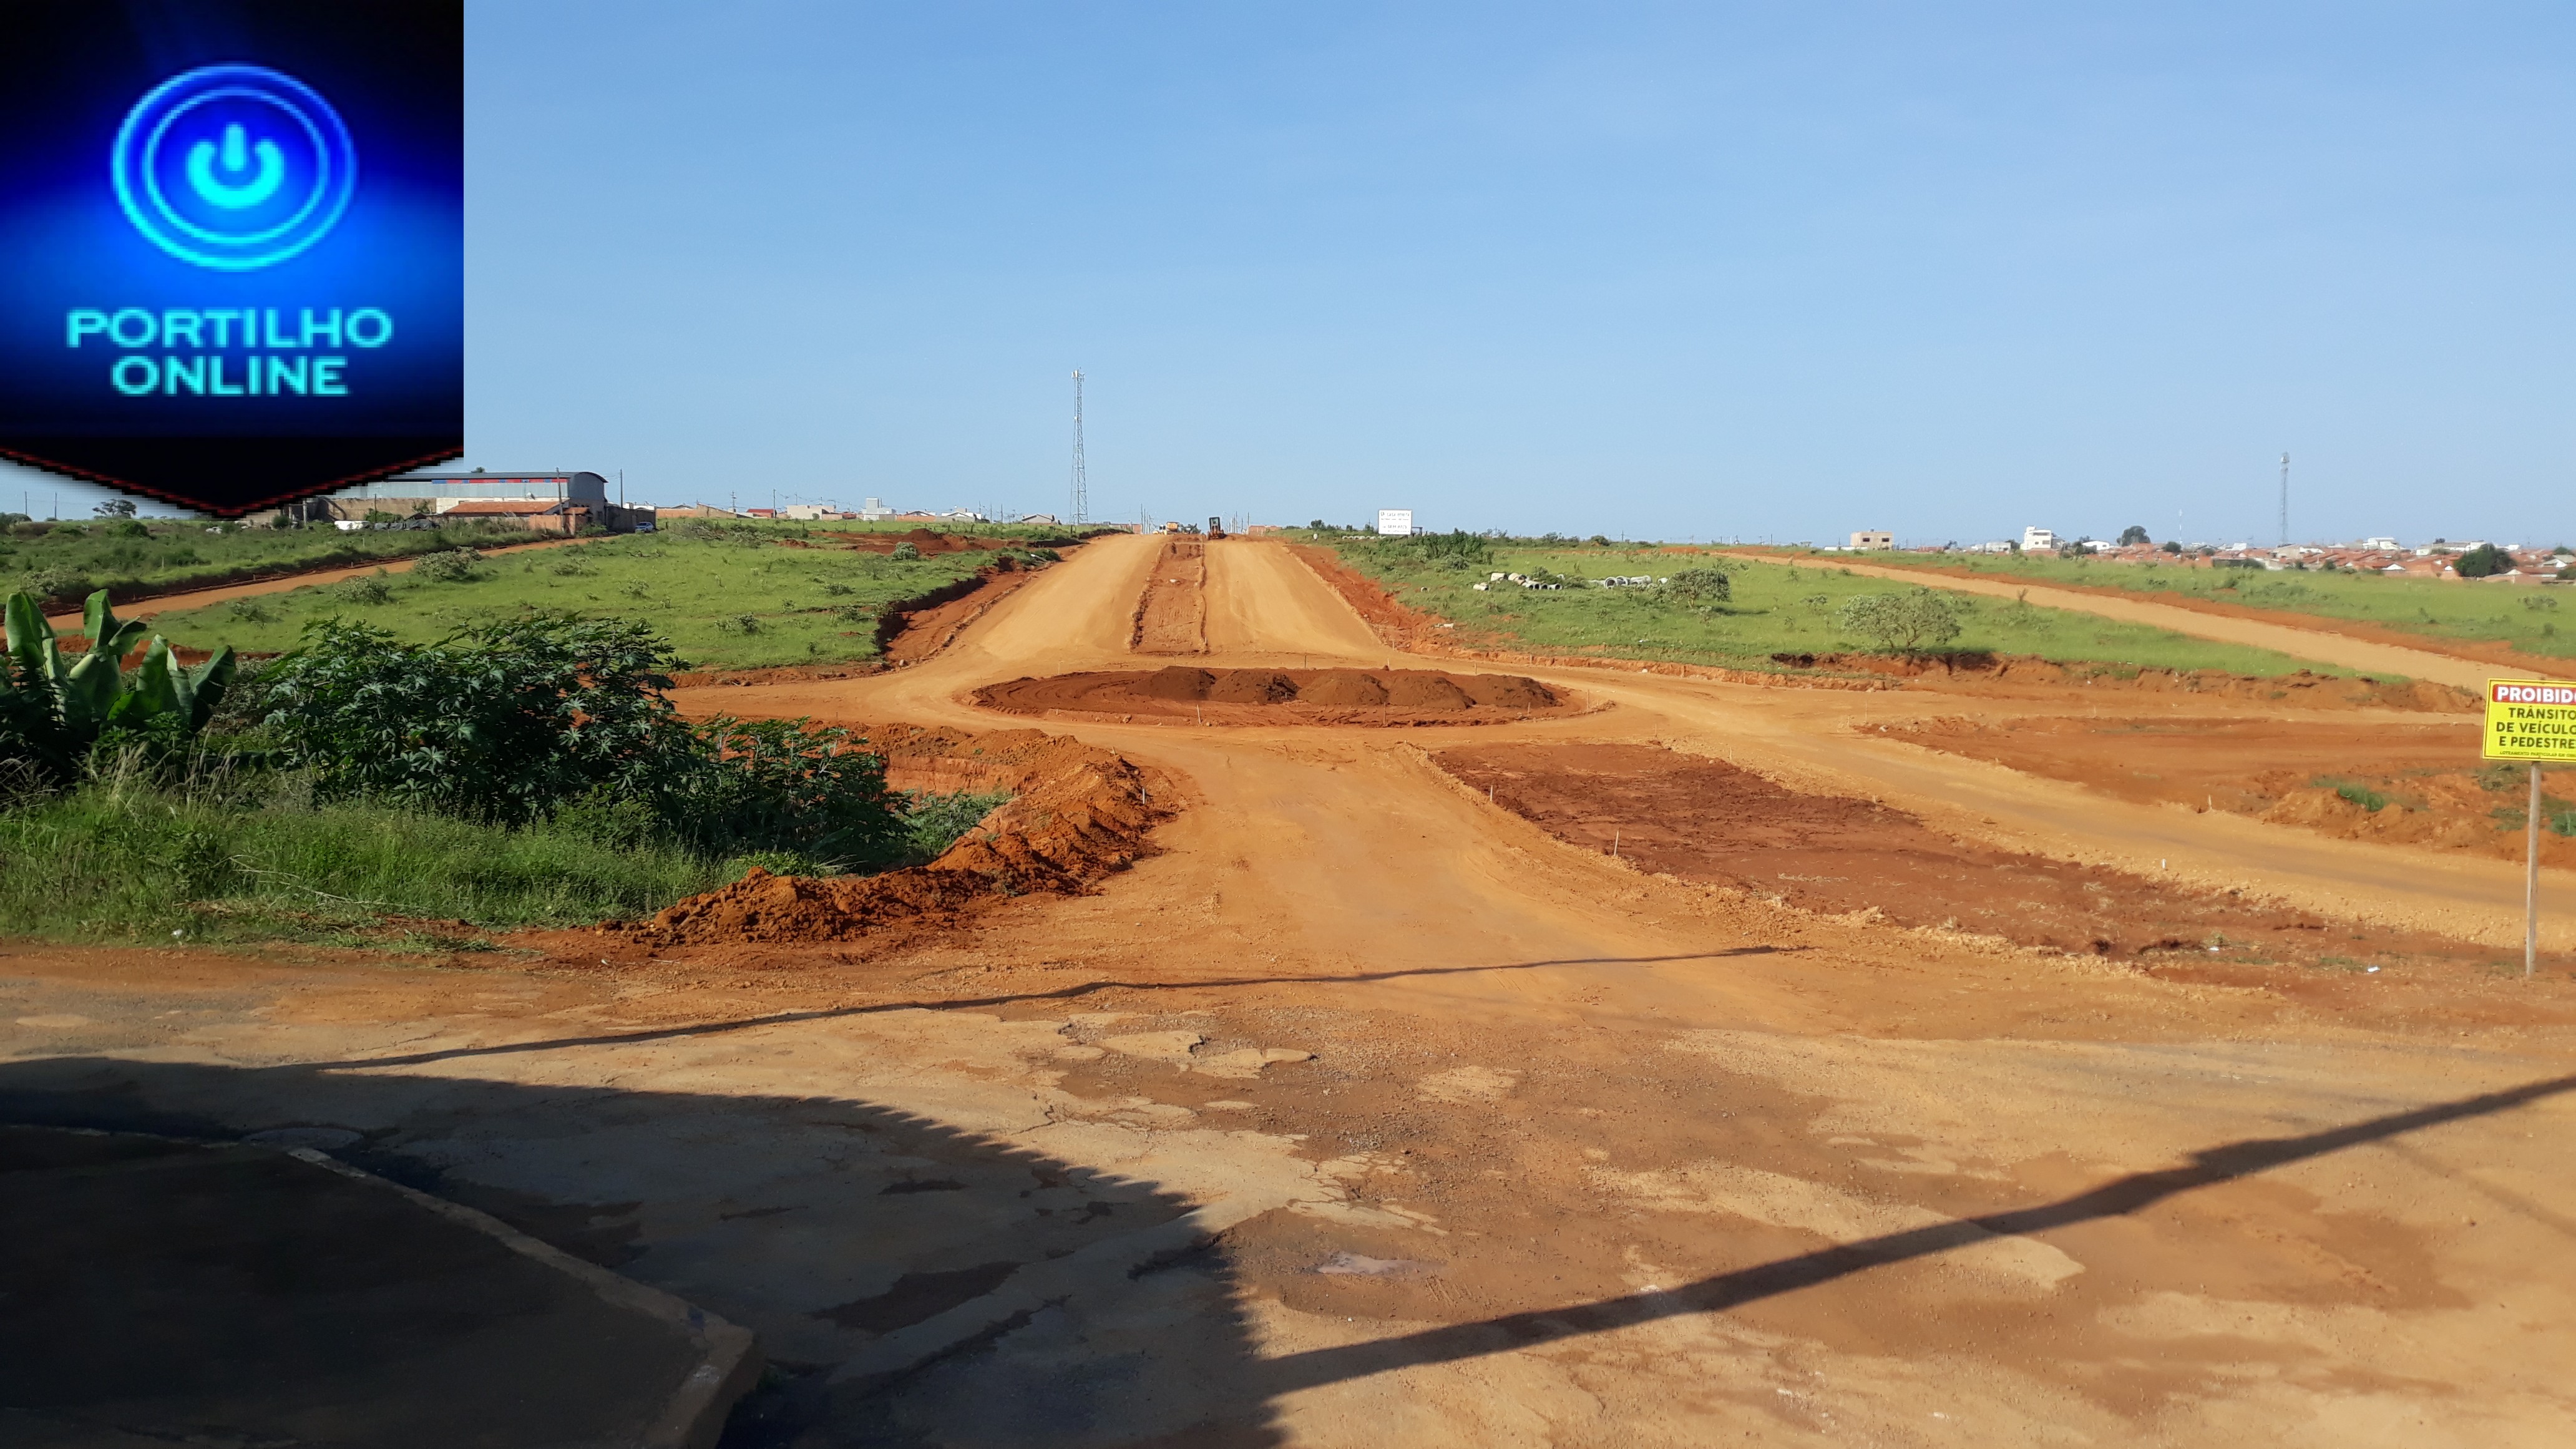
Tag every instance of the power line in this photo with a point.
(1081, 481)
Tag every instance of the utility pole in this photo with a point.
(1081, 482)
(2285, 500)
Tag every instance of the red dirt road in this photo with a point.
(1369, 1111)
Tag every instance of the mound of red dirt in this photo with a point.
(1177, 683)
(1077, 814)
(1343, 686)
(1252, 686)
(1281, 696)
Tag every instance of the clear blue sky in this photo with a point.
(1778, 270)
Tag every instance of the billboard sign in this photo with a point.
(234, 243)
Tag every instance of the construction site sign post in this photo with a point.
(2533, 720)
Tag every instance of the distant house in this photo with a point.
(875, 511)
(2038, 540)
(1867, 538)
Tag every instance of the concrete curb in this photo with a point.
(729, 1356)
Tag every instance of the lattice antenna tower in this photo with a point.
(2285, 500)
(1081, 479)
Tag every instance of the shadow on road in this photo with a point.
(875, 1252)
(892, 1265)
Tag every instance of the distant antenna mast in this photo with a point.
(1081, 480)
(2285, 500)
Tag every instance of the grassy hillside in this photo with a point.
(1774, 609)
(2529, 618)
(725, 596)
(64, 562)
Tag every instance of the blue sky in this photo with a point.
(1757, 270)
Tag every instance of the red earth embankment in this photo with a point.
(1077, 814)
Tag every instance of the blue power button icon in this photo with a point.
(233, 166)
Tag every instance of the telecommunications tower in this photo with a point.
(1081, 483)
(2285, 500)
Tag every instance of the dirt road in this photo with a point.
(2327, 648)
(1371, 1112)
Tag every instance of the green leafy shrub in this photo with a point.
(500, 722)
(907, 552)
(1456, 549)
(59, 588)
(451, 566)
(932, 823)
(549, 716)
(785, 785)
(372, 589)
(1904, 623)
(1701, 588)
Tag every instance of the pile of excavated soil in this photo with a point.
(2413, 784)
(1077, 814)
(1706, 820)
(1281, 696)
(1171, 615)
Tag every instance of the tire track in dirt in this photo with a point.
(1171, 615)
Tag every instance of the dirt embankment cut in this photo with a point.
(1171, 615)
(1077, 814)
(2411, 784)
(912, 630)
(1281, 696)
(1706, 820)
(908, 631)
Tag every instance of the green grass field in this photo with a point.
(728, 597)
(64, 562)
(2529, 618)
(1774, 610)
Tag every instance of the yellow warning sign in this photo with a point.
(2531, 719)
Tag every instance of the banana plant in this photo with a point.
(57, 703)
